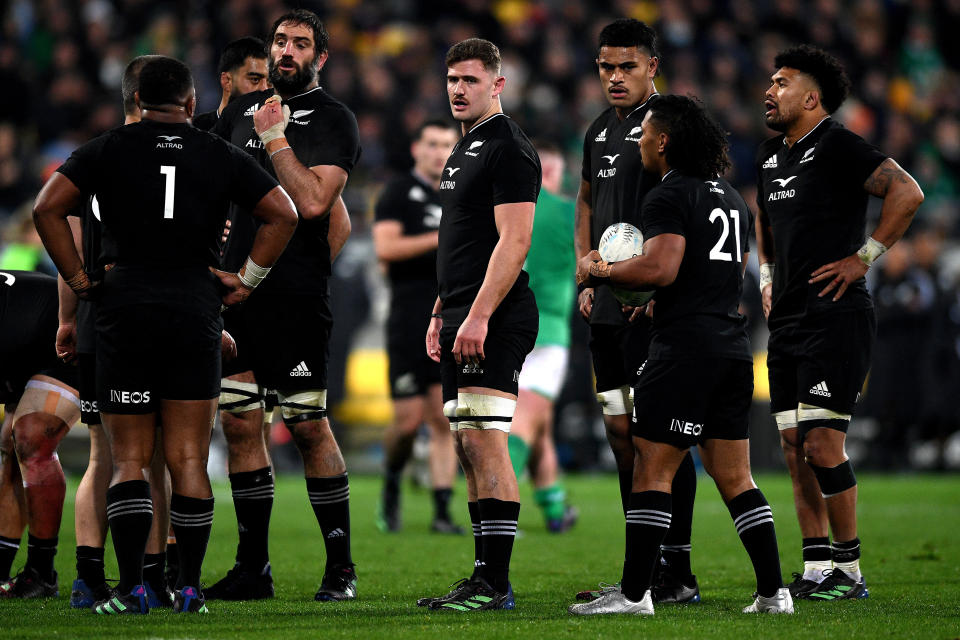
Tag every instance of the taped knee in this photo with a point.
(40, 396)
(834, 480)
(616, 402)
(240, 397)
(481, 412)
(302, 406)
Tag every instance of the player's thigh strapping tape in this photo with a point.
(45, 397)
(301, 406)
(239, 397)
(616, 402)
(480, 412)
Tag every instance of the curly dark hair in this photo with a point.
(826, 71)
(627, 32)
(697, 145)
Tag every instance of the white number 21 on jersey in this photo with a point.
(716, 253)
(170, 173)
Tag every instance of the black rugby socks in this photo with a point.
(474, 509)
(676, 544)
(330, 498)
(130, 513)
(253, 502)
(8, 551)
(754, 521)
(90, 565)
(192, 519)
(648, 518)
(498, 529)
(40, 553)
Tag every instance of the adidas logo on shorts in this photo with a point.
(820, 389)
(336, 533)
(301, 370)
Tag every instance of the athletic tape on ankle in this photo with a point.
(240, 397)
(786, 419)
(40, 396)
(834, 480)
(302, 405)
(478, 411)
(616, 402)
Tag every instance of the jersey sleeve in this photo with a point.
(850, 156)
(335, 140)
(389, 206)
(250, 182)
(82, 167)
(515, 173)
(586, 172)
(661, 214)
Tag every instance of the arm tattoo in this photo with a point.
(880, 181)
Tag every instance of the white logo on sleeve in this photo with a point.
(8, 278)
(820, 389)
(301, 371)
(784, 181)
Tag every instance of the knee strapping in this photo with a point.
(302, 405)
(240, 397)
(477, 411)
(834, 480)
(616, 402)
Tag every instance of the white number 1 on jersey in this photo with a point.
(171, 182)
(716, 253)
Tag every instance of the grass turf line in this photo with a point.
(908, 528)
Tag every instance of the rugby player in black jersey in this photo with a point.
(612, 188)
(243, 69)
(42, 403)
(158, 309)
(310, 142)
(813, 183)
(697, 383)
(76, 339)
(485, 319)
(405, 238)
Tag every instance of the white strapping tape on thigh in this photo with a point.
(40, 396)
(786, 419)
(616, 402)
(810, 412)
(240, 397)
(303, 405)
(450, 411)
(477, 411)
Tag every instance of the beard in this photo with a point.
(294, 84)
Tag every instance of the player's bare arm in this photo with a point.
(515, 225)
(340, 228)
(279, 220)
(66, 342)
(767, 259)
(582, 215)
(902, 197)
(313, 189)
(657, 267)
(57, 198)
(433, 331)
(391, 245)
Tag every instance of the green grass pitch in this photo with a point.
(909, 528)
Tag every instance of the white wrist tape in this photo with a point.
(870, 251)
(252, 274)
(276, 131)
(766, 274)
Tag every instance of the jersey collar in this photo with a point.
(645, 102)
(483, 122)
(305, 93)
(667, 175)
(825, 118)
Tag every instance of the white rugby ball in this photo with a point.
(622, 241)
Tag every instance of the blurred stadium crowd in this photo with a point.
(61, 63)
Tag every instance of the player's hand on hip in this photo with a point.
(236, 291)
(583, 266)
(468, 345)
(841, 275)
(585, 302)
(228, 347)
(270, 121)
(433, 339)
(766, 300)
(67, 342)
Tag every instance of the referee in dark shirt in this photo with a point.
(485, 319)
(813, 182)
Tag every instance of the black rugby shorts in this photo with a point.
(87, 370)
(283, 340)
(685, 402)
(150, 353)
(821, 361)
(618, 352)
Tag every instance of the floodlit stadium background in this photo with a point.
(60, 67)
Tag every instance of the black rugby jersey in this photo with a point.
(205, 121)
(416, 205)
(697, 315)
(816, 205)
(89, 214)
(618, 184)
(493, 164)
(163, 191)
(321, 131)
(28, 328)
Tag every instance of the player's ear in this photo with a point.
(136, 99)
(662, 140)
(811, 100)
(191, 104)
(322, 60)
(652, 65)
(498, 85)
